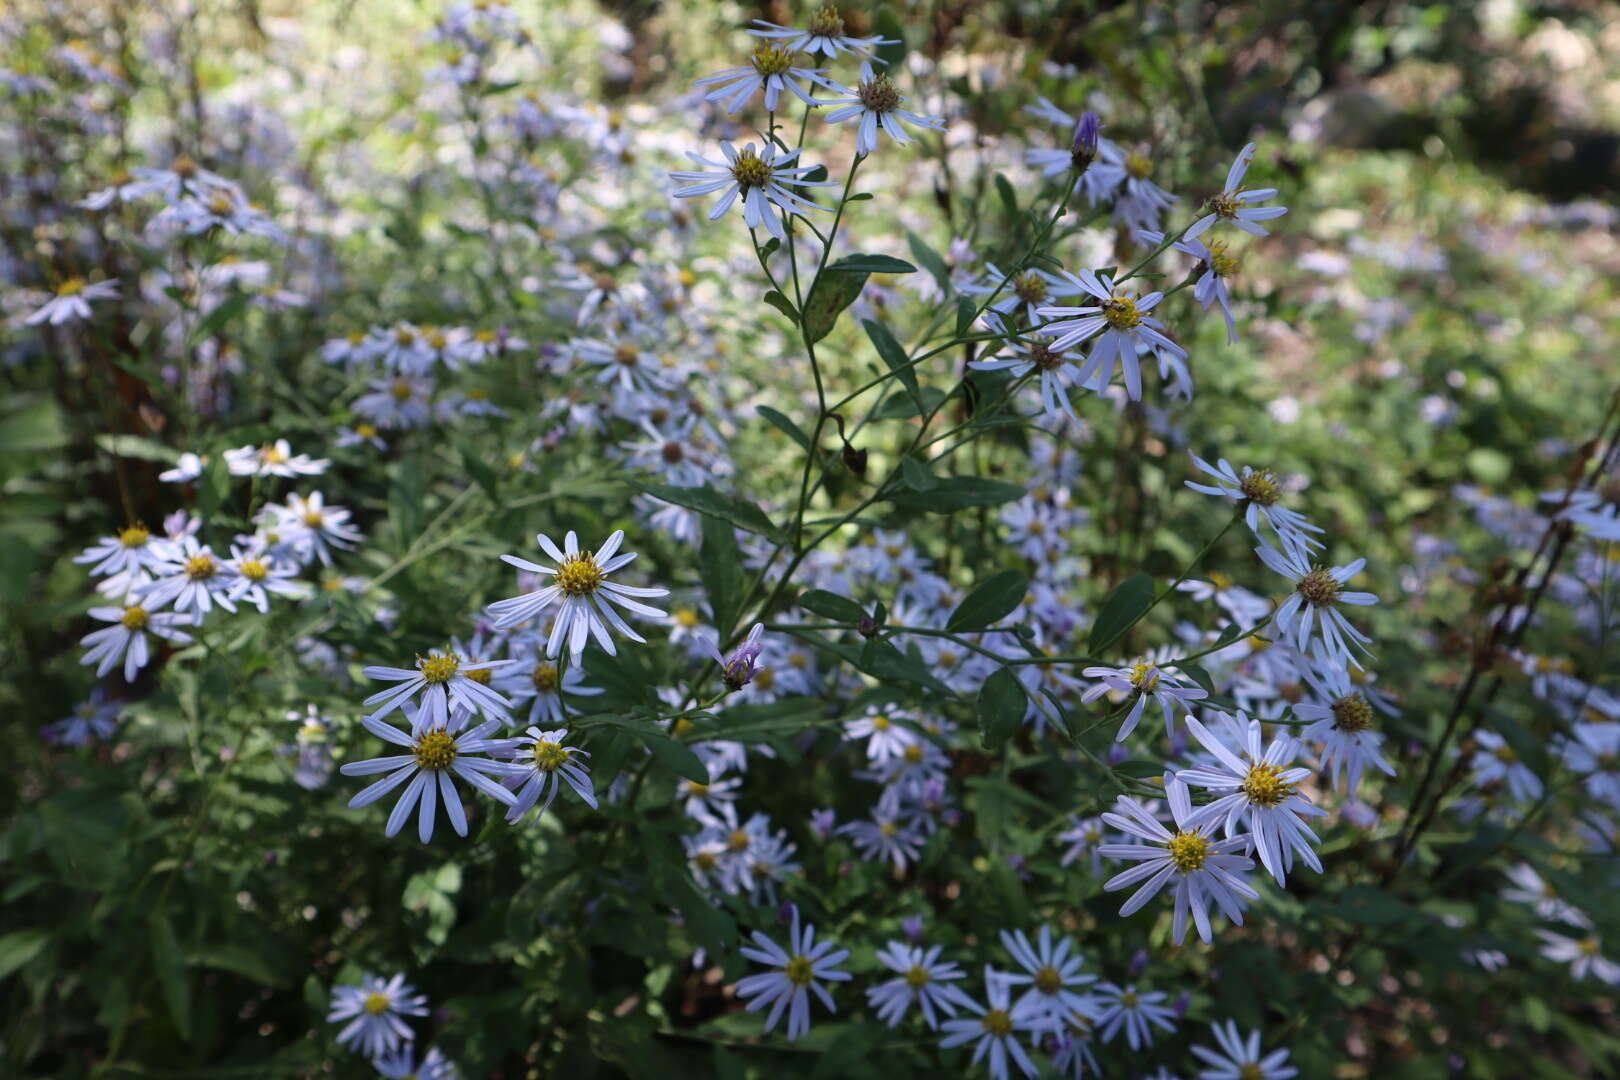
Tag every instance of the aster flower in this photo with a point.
(72, 301)
(1028, 289)
(434, 754)
(316, 528)
(1052, 974)
(1257, 491)
(1216, 264)
(534, 679)
(885, 736)
(194, 582)
(400, 402)
(376, 1010)
(254, 574)
(1055, 367)
(1144, 681)
(546, 763)
(1240, 1058)
(273, 459)
(875, 103)
(762, 180)
(796, 970)
(1343, 725)
(94, 718)
(188, 468)
(1314, 604)
(1593, 752)
(1124, 323)
(1126, 176)
(739, 671)
(1584, 956)
(921, 979)
(582, 592)
(1259, 789)
(1135, 1012)
(1496, 763)
(824, 35)
(1232, 203)
(995, 1030)
(404, 1065)
(1084, 838)
(1199, 868)
(134, 548)
(770, 69)
(1532, 889)
(445, 681)
(888, 834)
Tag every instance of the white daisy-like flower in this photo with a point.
(72, 301)
(1051, 973)
(404, 1065)
(1126, 176)
(314, 527)
(1124, 323)
(921, 980)
(537, 681)
(1344, 727)
(446, 682)
(873, 104)
(762, 180)
(254, 574)
(1495, 762)
(401, 402)
(273, 459)
(546, 763)
(1258, 492)
(134, 548)
(127, 640)
(1136, 1012)
(1261, 792)
(796, 971)
(1199, 868)
(1028, 289)
(434, 754)
(194, 581)
(1144, 680)
(188, 468)
(1531, 888)
(1583, 955)
(361, 433)
(585, 596)
(1314, 603)
(1232, 202)
(94, 718)
(376, 1011)
(886, 737)
(1240, 1058)
(1218, 265)
(1593, 752)
(1056, 369)
(995, 1030)
(770, 69)
(824, 35)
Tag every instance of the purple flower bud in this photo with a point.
(822, 822)
(867, 627)
(1117, 753)
(784, 914)
(1139, 963)
(912, 927)
(1086, 134)
(1183, 1000)
(738, 672)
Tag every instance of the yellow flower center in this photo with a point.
(272, 453)
(826, 22)
(1188, 851)
(1352, 714)
(1264, 785)
(201, 567)
(798, 971)
(549, 756)
(1121, 313)
(737, 840)
(135, 536)
(482, 675)
(365, 431)
(1319, 588)
(1222, 261)
(134, 618)
(914, 754)
(544, 678)
(404, 337)
(183, 166)
(998, 1023)
(880, 723)
(1144, 677)
(1047, 980)
(1505, 755)
(254, 569)
(772, 60)
(1030, 288)
(1046, 359)
(579, 575)
(696, 789)
(435, 750)
(402, 390)
(917, 977)
(1590, 946)
(376, 1004)
(879, 95)
(1260, 487)
(1251, 1071)
(1225, 204)
(220, 205)
(1128, 999)
(750, 170)
(687, 618)
(440, 669)
(1138, 166)
(73, 286)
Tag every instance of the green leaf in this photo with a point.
(676, 756)
(872, 264)
(960, 493)
(239, 960)
(405, 498)
(35, 424)
(784, 424)
(1009, 201)
(479, 470)
(1197, 674)
(1120, 611)
(784, 305)
(917, 475)
(1001, 705)
(994, 597)
(894, 355)
(930, 260)
(720, 565)
(134, 446)
(831, 606)
(19, 947)
(707, 501)
(170, 965)
(833, 291)
(966, 312)
(1140, 768)
(216, 320)
(903, 405)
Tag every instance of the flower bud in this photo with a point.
(1086, 132)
